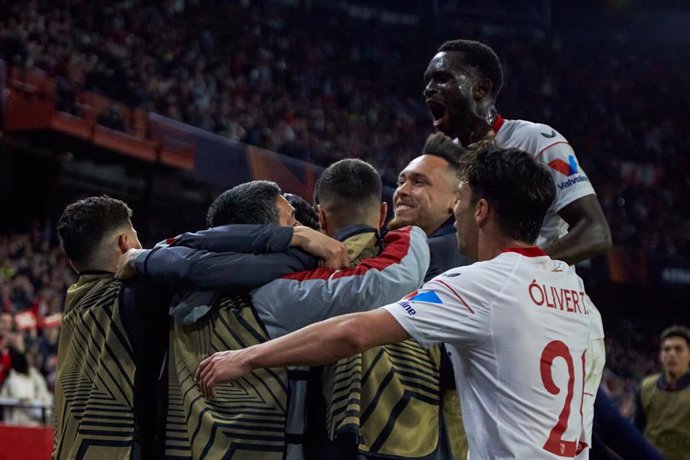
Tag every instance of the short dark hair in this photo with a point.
(517, 187)
(348, 187)
(442, 146)
(84, 223)
(304, 212)
(249, 203)
(676, 331)
(482, 57)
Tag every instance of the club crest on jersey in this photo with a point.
(567, 169)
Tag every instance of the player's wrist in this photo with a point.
(299, 236)
(250, 359)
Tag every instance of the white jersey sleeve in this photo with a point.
(571, 181)
(304, 298)
(441, 311)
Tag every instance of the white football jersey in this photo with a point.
(549, 147)
(517, 328)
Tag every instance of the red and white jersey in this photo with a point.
(517, 328)
(549, 147)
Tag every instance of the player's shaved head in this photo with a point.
(349, 192)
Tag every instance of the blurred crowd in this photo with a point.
(34, 276)
(321, 87)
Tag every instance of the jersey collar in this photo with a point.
(680, 384)
(96, 273)
(352, 230)
(445, 229)
(498, 122)
(532, 251)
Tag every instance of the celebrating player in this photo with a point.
(462, 82)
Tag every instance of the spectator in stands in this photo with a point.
(6, 334)
(663, 410)
(48, 348)
(26, 384)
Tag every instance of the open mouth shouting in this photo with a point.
(439, 112)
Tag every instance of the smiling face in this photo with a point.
(449, 85)
(675, 356)
(425, 195)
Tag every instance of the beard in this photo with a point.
(397, 222)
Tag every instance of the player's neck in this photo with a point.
(478, 132)
(490, 247)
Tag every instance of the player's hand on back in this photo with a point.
(125, 266)
(222, 366)
(333, 252)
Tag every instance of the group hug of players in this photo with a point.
(260, 338)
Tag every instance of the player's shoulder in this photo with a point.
(649, 381)
(483, 272)
(532, 130)
(529, 136)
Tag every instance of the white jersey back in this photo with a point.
(517, 328)
(549, 147)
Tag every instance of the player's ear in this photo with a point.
(383, 214)
(322, 219)
(481, 212)
(482, 88)
(123, 242)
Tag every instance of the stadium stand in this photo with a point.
(285, 79)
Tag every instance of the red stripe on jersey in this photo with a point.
(456, 294)
(498, 122)
(396, 246)
(532, 251)
(549, 146)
